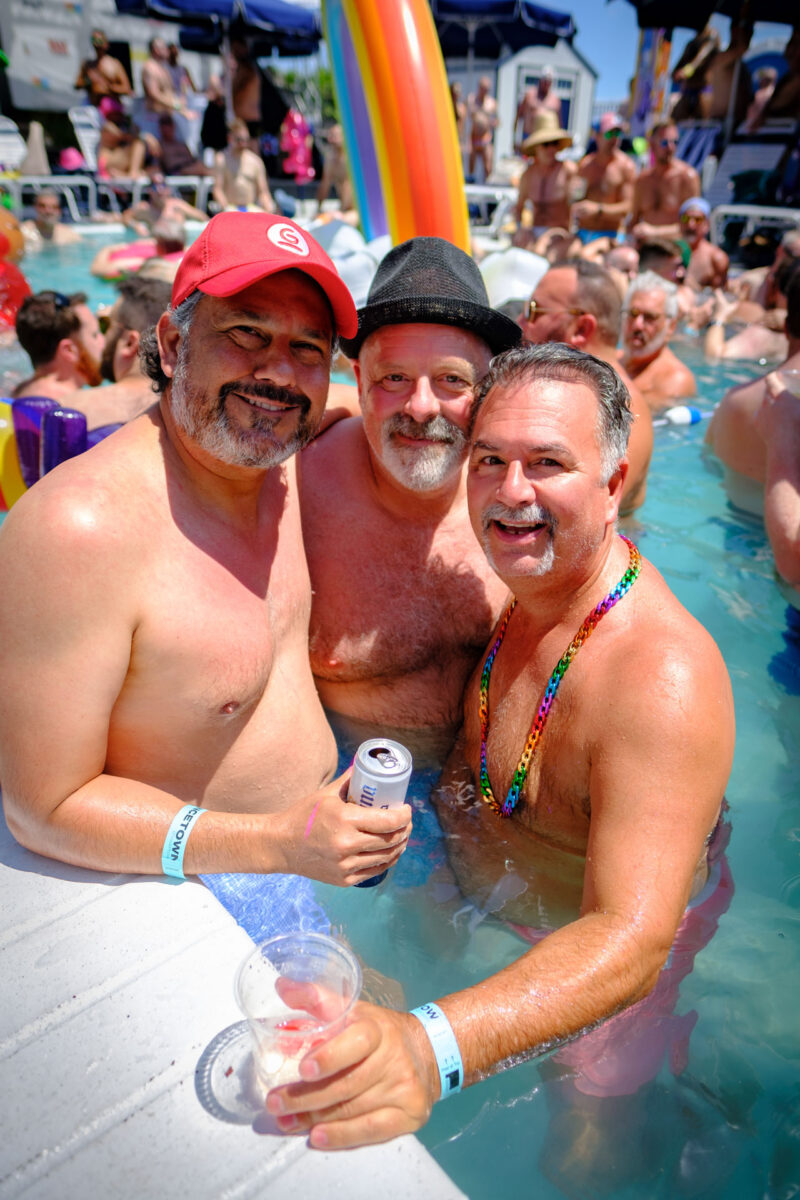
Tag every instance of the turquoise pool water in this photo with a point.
(728, 1125)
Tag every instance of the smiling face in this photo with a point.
(250, 378)
(538, 497)
(415, 385)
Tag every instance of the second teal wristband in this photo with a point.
(445, 1047)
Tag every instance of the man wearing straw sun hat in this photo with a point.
(547, 184)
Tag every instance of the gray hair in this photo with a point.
(648, 281)
(149, 356)
(557, 361)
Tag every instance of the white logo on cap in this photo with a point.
(286, 237)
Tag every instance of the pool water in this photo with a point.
(728, 1124)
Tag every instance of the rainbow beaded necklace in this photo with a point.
(537, 729)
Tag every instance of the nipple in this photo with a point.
(229, 708)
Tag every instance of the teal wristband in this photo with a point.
(175, 841)
(445, 1047)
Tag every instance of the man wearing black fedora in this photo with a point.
(404, 599)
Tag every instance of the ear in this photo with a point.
(67, 350)
(615, 486)
(169, 340)
(583, 330)
(129, 343)
(357, 372)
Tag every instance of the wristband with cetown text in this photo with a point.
(175, 841)
(445, 1047)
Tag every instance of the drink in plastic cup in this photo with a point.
(296, 991)
(790, 378)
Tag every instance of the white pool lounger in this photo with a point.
(114, 989)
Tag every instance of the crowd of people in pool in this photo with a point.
(433, 556)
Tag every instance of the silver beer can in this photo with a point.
(381, 772)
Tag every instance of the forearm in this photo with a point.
(714, 341)
(576, 977)
(114, 824)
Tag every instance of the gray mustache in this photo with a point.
(435, 429)
(528, 514)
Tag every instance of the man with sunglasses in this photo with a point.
(63, 341)
(609, 176)
(661, 189)
(708, 265)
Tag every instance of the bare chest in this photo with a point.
(391, 597)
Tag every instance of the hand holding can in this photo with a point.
(381, 772)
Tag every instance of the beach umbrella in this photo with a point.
(693, 14)
(289, 28)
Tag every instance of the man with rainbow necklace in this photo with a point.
(605, 836)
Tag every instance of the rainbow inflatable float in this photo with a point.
(397, 118)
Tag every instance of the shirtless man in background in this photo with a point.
(482, 108)
(579, 304)
(103, 76)
(138, 307)
(62, 338)
(162, 657)
(660, 190)
(610, 827)
(733, 431)
(533, 101)
(609, 175)
(708, 265)
(650, 317)
(403, 597)
(546, 185)
(240, 177)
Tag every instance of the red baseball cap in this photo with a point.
(237, 249)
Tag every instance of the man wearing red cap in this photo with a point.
(162, 657)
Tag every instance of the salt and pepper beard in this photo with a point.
(216, 434)
(529, 514)
(422, 469)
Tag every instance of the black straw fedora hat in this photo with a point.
(429, 281)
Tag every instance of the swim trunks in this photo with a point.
(629, 1049)
(591, 235)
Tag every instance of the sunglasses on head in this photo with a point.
(59, 300)
(534, 310)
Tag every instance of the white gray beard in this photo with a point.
(423, 470)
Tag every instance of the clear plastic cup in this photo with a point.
(790, 378)
(296, 991)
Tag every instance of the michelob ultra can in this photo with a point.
(381, 772)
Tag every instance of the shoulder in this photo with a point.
(332, 452)
(663, 666)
